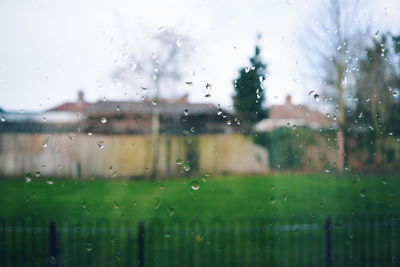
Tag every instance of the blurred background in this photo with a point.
(176, 133)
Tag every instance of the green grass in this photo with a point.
(281, 195)
(188, 232)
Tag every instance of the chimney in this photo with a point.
(81, 98)
(184, 99)
(288, 100)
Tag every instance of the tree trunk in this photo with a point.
(155, 140)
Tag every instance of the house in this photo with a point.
(175, 116)
(123, 117)
(290, 114)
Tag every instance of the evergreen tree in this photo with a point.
(249, 92)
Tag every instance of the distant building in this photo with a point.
(289, 114)
(176, 115)
(122, 117)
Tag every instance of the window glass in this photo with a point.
(200, 133)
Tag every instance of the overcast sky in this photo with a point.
(50, 49)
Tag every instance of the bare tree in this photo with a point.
(156, 67)
(332, 46)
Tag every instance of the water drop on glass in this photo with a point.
(28, 178)
(88, 247)
(52, 260)
(45, 142)
(170, 211)
(363, 192)
(186, 166)
(100, 144)
(195, 185)
(103, 120)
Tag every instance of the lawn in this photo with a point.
(230, 197)
(274, 220)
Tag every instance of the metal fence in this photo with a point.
(338, 241)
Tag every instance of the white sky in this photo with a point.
(49, 49)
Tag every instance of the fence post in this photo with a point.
(328, 242)
(53, 245)
(141, 239)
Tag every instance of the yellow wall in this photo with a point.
(126, 155)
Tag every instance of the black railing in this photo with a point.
(356, 241)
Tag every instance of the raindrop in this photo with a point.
(52, 260)
(28, 178)
(186, 166)
(46, 141)
(384, 181)
(229, 122)
(207, 95)
(195, 185)
(246, 69)
(100, 144)
(179, 42)
(205, 177)
(103, 120)
(37, 174)
(116, 205)
(50, 182)
(158, 203)
(179, 162)
(186, 112)
(317, 98)
(272, 200)
(363, 192)
(2, 119)
(350, 236)
(88, 247)
(167, 235)
(208, 86)
(154, 103)
(189, 83)
(170, 211)
(89, 133)
(327, 171)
